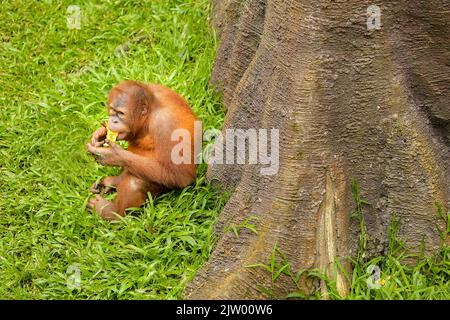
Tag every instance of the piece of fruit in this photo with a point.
(110, 136)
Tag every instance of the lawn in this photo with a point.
(53, 86)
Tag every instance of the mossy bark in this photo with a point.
(349, 102)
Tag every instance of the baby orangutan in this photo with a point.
(145, 115)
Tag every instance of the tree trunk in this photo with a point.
(351, 99)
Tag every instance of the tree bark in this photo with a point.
(350, 102)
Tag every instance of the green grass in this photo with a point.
(53, 87)
(402, 275)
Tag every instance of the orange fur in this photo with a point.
(150, 114)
